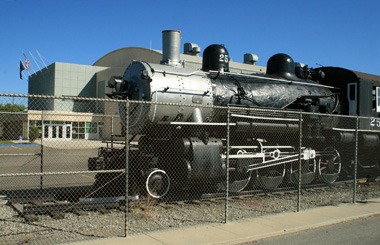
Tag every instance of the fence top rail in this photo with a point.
(67, 97)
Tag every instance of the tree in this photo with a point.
(12, 107)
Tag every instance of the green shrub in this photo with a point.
(34, 133)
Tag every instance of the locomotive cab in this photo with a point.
(360, 94)
(360, 97)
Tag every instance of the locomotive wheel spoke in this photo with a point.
(329, 166)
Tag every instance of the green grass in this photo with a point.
(6, 142)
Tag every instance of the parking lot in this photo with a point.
(30, 166)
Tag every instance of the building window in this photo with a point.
(92, 127)
(78, 130)
(67, 129)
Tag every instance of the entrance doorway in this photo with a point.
(57, 131)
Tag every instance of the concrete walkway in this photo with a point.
(251, 229)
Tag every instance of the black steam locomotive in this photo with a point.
(181, 129)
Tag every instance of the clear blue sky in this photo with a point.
(343, 33)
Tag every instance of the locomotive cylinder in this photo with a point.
(344, 137)
(370, 140)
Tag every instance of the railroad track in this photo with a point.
(49, 204)
(57, 209)
(278, 191)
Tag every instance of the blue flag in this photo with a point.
(22, 67)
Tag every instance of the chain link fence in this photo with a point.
(74, 168)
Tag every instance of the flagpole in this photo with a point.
(41, 58)
(35, 60)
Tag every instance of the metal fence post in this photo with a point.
(227, 165)
(42, 149)
(112, 133)
(356, 159)
(299, 163)
(126, 118)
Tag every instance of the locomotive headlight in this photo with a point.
(144, 74)
(115, 82)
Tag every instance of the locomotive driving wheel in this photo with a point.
(308, 169)
(239, 176)
(157, 183)
(271, 177)
(329, 165)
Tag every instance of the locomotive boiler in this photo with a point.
(181, 118)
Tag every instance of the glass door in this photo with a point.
(57, 131)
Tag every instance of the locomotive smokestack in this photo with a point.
(171, 40)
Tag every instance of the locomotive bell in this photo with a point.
(281, 65)
(216, 58)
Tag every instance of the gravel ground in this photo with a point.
(145, 216)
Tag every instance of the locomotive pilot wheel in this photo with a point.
(157, 183)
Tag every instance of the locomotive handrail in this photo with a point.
(181, 74)
(243, 75)
(354, 130)
(274, 79)
(180, 91)
(266, 118)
